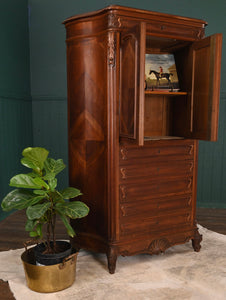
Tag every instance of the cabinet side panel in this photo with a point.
(87, 128)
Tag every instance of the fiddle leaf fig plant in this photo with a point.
(36, 192)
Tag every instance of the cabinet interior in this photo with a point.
(162, 109)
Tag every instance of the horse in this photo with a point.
(160, 76)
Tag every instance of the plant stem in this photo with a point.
(53, 223)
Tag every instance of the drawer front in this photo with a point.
(172, 30)
(143, 191)
(157, 151)
(146, 170)
(154, 207)
(152, 225)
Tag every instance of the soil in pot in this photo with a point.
(46, 259)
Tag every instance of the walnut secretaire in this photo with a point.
(134, 151)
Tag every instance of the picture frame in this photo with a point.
(161, 73)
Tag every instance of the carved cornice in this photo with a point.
(114, 21)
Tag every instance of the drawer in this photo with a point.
(160, 224)
(143, 191)
(157, 151)
(154, 207)
(147, 169)
(172, 30)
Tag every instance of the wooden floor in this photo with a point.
(13, 235)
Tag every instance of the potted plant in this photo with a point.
(36, 192)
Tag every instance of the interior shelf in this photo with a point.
(156, 138)
(168, 93)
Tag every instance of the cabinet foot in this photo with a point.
(196, 241)
(112, 258)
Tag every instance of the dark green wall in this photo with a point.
(15, 99)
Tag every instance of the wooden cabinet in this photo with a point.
(134, 152)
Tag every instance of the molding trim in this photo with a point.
(14, 96)
(52, 98)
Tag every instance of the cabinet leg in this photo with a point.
(112, 258)
(196, 241)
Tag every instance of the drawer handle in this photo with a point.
(123, 173)
(189, 201)
(123, 192)
(191, 148)
(124, 153)
(189, 218)
(191, 166)
(189, 183)
(123, 211)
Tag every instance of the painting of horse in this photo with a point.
(160, 72)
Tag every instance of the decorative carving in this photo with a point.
(114, 21)
(187, 239)
(111, 49)
(191, 164)
(199, 34)
(123, 173)
(123, 192)
(190, 149)
(189, 183)
(158, 246)
(123, 210)
(189, 217)
(124, 153)
(189, 201)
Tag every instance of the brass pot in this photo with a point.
(47, 279)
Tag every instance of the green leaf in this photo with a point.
(70, 230)
(39, 230)
(33, 234)
(25, 181)
(35, 157)
(29, 164)
(41, 182)
(30, 224)
(53, 167)
(56, 197)
(73, 210)
(19, 199)
(33, 174)
(40, 192)
(37, 211)
(70, 192)
(53, 184)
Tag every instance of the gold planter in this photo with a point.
(47, 279)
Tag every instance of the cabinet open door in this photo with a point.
(132, 64)
(205, 61)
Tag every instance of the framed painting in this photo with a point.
(161, 72)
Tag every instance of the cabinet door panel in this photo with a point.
(199, 71)
(132, 61)
(129, 68)
(206, 87)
